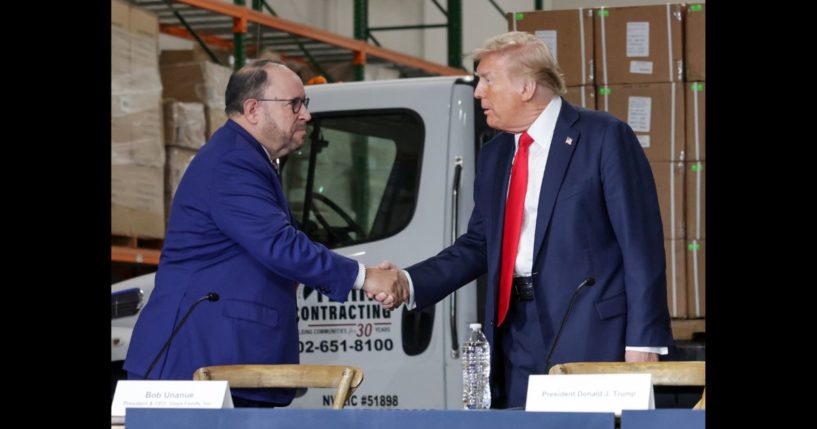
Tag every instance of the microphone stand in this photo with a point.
(589, 281)
(212, 296)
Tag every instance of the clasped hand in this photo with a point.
(387, 284)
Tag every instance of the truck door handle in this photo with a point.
(455, 209)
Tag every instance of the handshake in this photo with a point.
(387, 285)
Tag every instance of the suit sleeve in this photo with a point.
(245, 207)
(632, 204)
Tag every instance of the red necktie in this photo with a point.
(514, 207)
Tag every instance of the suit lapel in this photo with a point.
(559, 157)
(277, 185)
(506, 151)
(495, 212)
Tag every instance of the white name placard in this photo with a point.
(169, 394)
(590, 392)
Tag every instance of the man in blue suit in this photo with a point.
(583, 206)
(231, 233)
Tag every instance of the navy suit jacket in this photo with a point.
(231, 232)
(598, 217)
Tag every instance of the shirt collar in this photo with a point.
(541, 130)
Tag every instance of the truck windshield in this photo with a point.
(356, 177)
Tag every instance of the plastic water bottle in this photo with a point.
(476, 370)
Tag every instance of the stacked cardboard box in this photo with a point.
(137, 149)
(694, 45)
(655, 112)
(582, 96)
(696, 237)
(695, 42)
(184, 134)
(639, 75)
(569, 35)
(639, 44)
(203, 82)
(676, 257)
(184, 124)
(669, 184)
(169, 57)
(178, 158)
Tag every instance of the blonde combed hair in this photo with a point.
(530, 56)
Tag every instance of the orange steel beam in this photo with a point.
(323, 36)
(131, 255)
(178, 31)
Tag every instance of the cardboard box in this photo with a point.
(132, 77)
(696, 275)
(582, 96)
(185, 124)
(639, 44)
(136, 110)
(143, 22)
(137, 201)
(178, 158)
(568, 33)
(142, 35)
(695, 119)
(120, 51)
(137, 138)
(197, 54)
(695, 42)
(137, 141)
(144, 53)
(655, 111)
(676, 278)
(215, 118)
(120, 14)
(669, 184)
(696, 199)
(202, 82)
(134, 48)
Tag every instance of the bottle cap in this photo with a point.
(475, 326)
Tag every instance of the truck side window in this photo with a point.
(356, 177)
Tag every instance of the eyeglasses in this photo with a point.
(296, 103)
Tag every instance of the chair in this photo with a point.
(669, 373)
(344, 378)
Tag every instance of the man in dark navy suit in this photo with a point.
(231, 232)
(563, 196)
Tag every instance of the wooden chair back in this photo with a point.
(345, 379)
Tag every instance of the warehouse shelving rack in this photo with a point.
(246, 30)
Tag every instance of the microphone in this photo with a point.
(212, 297)
(587, 282)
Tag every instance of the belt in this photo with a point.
(522, 288)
